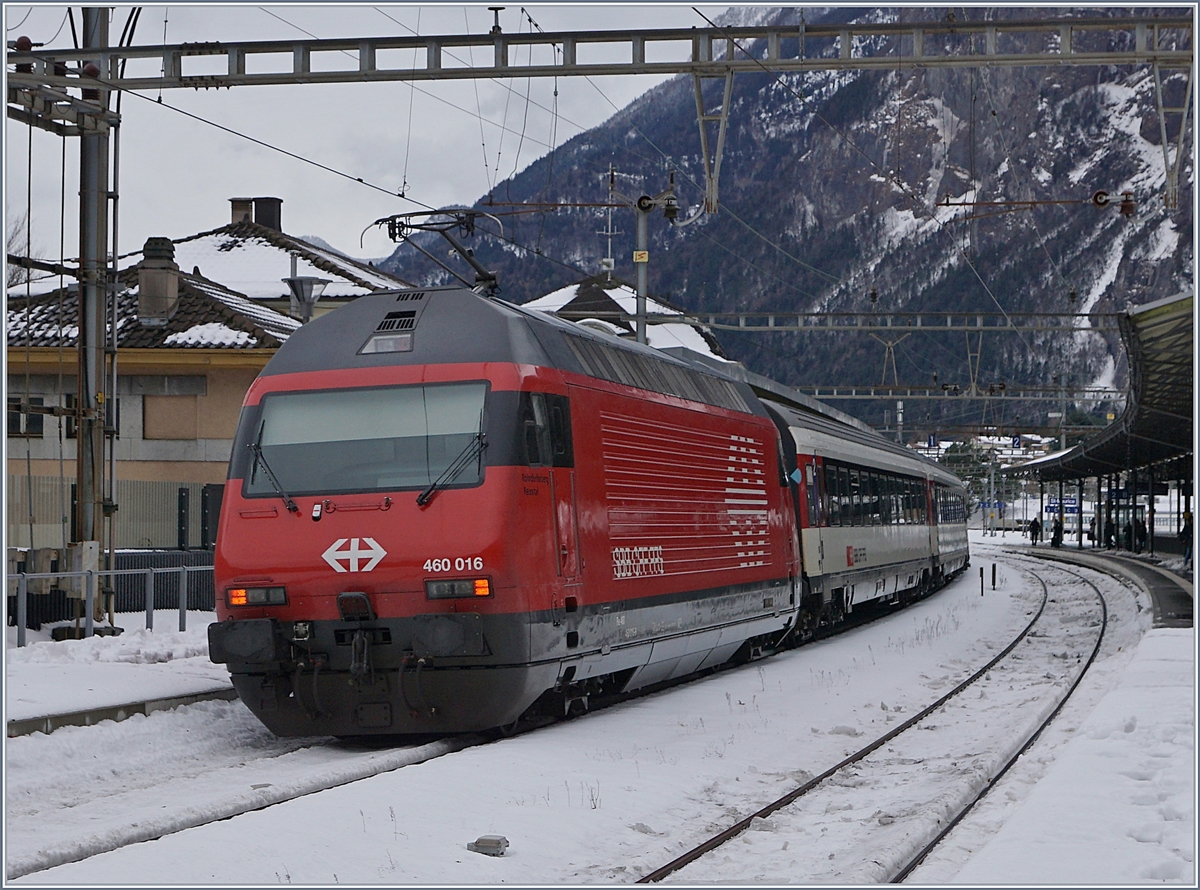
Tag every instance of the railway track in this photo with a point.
(114, 798)
(912, 793)
(253, 770)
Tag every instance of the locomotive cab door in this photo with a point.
(548, 444)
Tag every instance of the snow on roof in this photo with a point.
(211, 333)
(253, 260)
(207, 316)
(589, 301)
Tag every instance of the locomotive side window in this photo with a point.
(536, 430)
(544, 430)
(371, 439)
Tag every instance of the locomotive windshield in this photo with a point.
(378, 439)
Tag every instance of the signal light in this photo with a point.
(256, 596)
(460, 588)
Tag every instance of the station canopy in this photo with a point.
(1156, 426)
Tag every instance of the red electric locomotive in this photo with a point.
(442, 509)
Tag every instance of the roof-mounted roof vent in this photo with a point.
(158, 282)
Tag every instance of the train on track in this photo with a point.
(444, 511)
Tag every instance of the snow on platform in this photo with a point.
(1117, 805)
(47, 679)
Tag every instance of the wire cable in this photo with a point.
(28, 13)
(478, 110)
(283, 151)
(688, 179)
(903, 186)
(408, 134)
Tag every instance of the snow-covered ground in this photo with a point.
(1105, 796)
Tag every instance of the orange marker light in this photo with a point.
(482, 587)
(237, 597)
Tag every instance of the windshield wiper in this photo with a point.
(473, 450)
(260, 458)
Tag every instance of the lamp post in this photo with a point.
(304, 290)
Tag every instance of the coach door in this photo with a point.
(811, 536)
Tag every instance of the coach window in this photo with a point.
(833, 508)
(844, 496)
(855, 498)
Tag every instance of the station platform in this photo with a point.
(90, 693)
(1171, 593)
(51, 684)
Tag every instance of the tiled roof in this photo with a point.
(207, 316)
(253, 259)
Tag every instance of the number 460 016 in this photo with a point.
(461, 564)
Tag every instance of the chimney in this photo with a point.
(158, 282)
(267, 212)
(243, 210)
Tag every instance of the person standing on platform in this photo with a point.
(1140, 535)
(1035, 531)
(1185, 536)
(1056, 533)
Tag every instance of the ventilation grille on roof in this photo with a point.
(410, 295)
(397, 321)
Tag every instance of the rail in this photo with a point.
(904, 872)
(90, 580)
(789, 798)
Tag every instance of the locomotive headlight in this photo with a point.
(256, 596)
(459, 588)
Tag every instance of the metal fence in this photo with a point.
(149, 515)
(178, 587)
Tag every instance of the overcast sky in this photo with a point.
(177, 174)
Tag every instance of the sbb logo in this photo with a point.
(360, 549)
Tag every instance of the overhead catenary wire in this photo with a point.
(725, 209)
(402, 192)
(280, 150)
(915, 200)
(28, 13)
(412, 95)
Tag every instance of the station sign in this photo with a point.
(1070, 505)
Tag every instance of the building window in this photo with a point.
(169, 417)
(25, 425)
